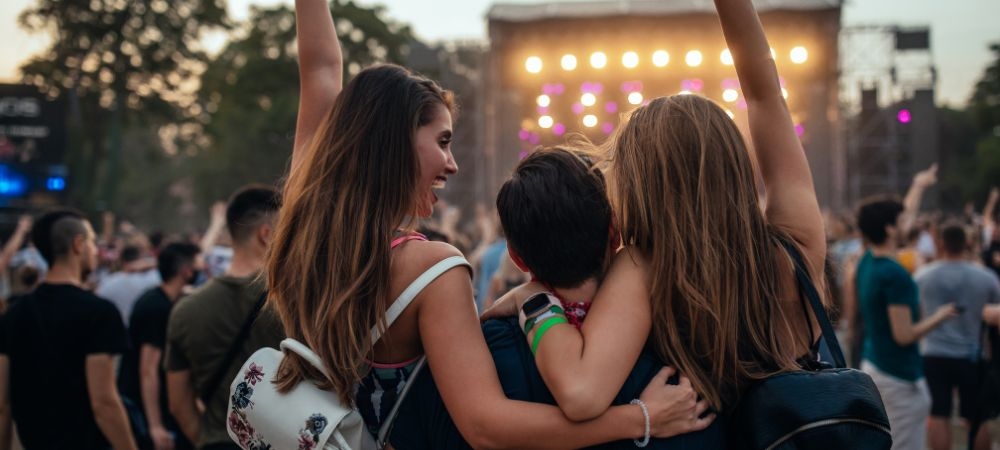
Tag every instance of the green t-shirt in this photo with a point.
(201, 330)
(882, 282)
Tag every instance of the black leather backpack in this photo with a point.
(819, 407)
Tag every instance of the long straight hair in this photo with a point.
(685, 193)
(328, 266)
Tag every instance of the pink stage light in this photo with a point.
(611, 107)
(558, 129)
(523, 135)
(535, 139)
(800, 130)
(693, 85)
(904, 116)
(631, 86)
(542, 110)
(521, 155)
(608, 127)
(730, 83)
(577, 108)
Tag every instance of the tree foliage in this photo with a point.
(250, 93)
(116, 56)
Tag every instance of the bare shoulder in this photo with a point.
(413, 258)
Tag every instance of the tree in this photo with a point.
(110, 57)
(250, 92)
(985, 102)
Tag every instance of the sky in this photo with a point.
(961, 30)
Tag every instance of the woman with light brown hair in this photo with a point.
(704, 277)
(367, 160)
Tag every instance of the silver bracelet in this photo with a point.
(645, 415)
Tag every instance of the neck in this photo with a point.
(66, 272)
(950, 257)
(884, 249)
(582, 293)
(247, 261)
(173, 289)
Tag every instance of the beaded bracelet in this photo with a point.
(645, 415)
(548, 323)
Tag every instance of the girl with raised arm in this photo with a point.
(367, 160)
(704, 276)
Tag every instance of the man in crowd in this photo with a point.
(58, 349)
(206, 325)
(951, 351)
(137, 275)
(142, 378)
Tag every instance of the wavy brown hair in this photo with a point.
(328, 267)
(684, 189)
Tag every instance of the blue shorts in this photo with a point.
(424, 423)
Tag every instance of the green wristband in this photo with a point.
(548, 323)
(533, 321)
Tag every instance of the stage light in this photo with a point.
(523, 134)
(635, 98)
(904, 116)
(533, 64)
(630, 60)
(611, 107)
(608, 127)
(558, 129)
(693, 58)
(55, 183)
(726, 57)
(588, 99)
(598, 60)
(568, 62)
(730, 95)
(729, 113)
(544, 100)
(661, 58)
(799, 55)
(684, 92)
(577, 108)
(784, 93)
(800, 130)
(774, 54)
(545, 121)
(590, 121)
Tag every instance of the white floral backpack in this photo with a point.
(307, 417)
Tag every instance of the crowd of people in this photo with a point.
(632, 294)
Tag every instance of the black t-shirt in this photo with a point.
(47, 338)
(147, 326)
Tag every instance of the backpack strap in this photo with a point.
(414, 288)
(805, 284)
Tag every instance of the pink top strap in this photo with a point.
(414, 236)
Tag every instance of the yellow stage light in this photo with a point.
(545, 121)
(630, 60)
(799, 55)
(693, 58)
(588, 99)
(726, 57)
(635, 98)
(661, 58)
(684, 92)
(590, 121)
(533, 64)
(730, 95)
(568, 62)
(598, 60)
(544, 100)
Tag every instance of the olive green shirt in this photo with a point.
(201, 330)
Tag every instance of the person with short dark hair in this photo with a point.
(58, 350)
(888, 304)
(136, 275)
(142, 379)
(951, 351)
(203, 326)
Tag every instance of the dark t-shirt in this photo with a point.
(47, 338)
(201, 330)
(147, 326)
(423, 421)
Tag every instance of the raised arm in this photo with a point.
(15, 242)
(990, 209)
(791, 197)
(321, 69)
(911, 203)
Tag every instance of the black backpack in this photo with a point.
(818, 407)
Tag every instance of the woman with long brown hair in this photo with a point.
(704, 277)
(366, 162)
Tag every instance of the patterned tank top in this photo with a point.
(379, 390)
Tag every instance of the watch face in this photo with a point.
(535, 304)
